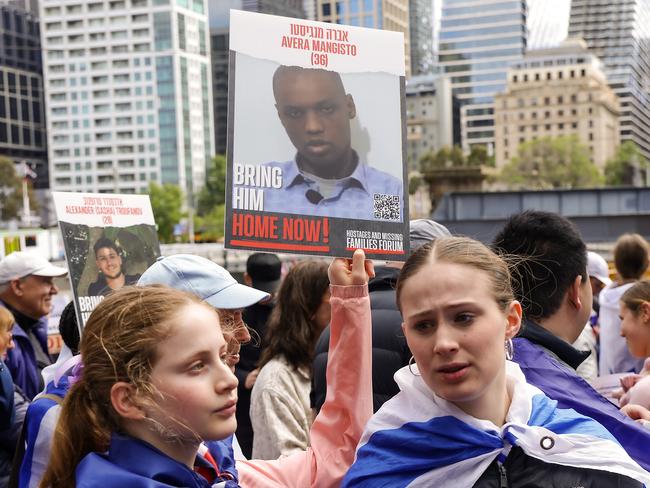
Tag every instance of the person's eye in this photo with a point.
(464, 318)
(224, 358)
(197, 367)
(423, 325)
(294, 114)
(327, 109)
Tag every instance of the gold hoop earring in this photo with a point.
(411, 363)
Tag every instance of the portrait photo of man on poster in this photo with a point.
(111, 273)
(336, 162)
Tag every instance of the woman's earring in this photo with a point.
(510, 351)
(411, 363)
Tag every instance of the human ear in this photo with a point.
(248, 281)
(644, 312)
(513, 318)
(352, 109)
(124, 401)
(16, 287)
(574, 293)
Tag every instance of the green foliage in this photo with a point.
(167, 204)
(11, 191)
(621, 168)
(213, 193)
(444, 158)
(561, 162)
(478, 156)
(210, 227)
(415, 182)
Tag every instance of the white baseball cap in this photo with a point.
(203, 278)
(20, 264)
(597, 267)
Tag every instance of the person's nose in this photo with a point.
(225, 379)
(446, 342)
(313, 123)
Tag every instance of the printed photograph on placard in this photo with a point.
(316, 138)
(109, 241)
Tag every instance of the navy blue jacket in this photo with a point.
(137, 464)
(6, 397)
(21, 360)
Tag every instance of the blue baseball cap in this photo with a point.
(203, 278)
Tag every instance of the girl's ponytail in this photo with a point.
(83, 427)
(119, 343)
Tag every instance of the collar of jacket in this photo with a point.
(537, 334)
(143, 465)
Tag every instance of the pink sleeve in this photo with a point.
(338, 427)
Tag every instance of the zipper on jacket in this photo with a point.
(503, 475)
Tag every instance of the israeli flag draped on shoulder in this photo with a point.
(417, 439)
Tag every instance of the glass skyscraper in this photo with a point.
(379, 14)
(128, 93)
(421, 32)
(478, 40)
(619, 34)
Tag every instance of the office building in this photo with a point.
(429, 112)
(378, 14)
(548, 23)
(421, 41)
(618, 33)
(557, 92)
(22, 112)
(219, 33)
(478, 41)
(128, 94)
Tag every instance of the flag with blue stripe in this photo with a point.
(419, 439)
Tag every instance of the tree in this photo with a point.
(622, 168)
(213, 193)
(210, 227)
(444, 158)
(11, 191)
(167, 204)
(561, 162)
(479, 156)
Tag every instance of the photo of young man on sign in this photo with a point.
(326, 177)
(316, 142)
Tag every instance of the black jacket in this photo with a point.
(389, 349)
(256, 316)
(523, 471)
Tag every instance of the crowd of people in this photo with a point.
(468, 365)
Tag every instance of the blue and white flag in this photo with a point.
(418, 439)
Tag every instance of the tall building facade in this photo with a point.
(429, 112)
(478, 40)
(619, 34)
(219, 33)
(555, 92)
(128, 93)
(287, 8)
(548, 23)
(22, 116)
(421, 32)
(379, 14)
(22, 112)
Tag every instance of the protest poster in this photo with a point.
(109, 241)
(316, 138)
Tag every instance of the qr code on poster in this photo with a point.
(386, 207)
